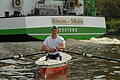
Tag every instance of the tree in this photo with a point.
(108, 8)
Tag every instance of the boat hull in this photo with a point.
(51, 69)
(51, 73)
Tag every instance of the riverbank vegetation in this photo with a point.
(111, 10)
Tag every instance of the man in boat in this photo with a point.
(53, 44)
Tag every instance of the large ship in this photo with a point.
(35, 18)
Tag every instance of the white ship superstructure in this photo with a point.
(11, 8)
(35, 17)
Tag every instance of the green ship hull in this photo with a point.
(70, 27)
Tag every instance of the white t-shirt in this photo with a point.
(51, 43)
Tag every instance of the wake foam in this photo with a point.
(104, 40)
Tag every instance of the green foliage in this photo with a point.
(108, 8)
(113, 26)
(89, 8)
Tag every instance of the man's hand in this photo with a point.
(53, 49)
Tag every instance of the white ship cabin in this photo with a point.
(18, 8)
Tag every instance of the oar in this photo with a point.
(92, 56)
(20, 56)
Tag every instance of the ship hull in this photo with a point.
(76, 27)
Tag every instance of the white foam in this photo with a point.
(117, 72)
(104, 40)
(98, 77)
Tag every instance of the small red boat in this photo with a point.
(51, 69)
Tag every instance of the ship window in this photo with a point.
(71, 4)
(42, 1)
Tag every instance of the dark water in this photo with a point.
(81, 68)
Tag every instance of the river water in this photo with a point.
(81, 68)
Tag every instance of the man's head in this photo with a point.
(54, 27)
(54, 30)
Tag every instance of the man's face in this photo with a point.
(54, 30)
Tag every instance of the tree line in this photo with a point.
(110, 9)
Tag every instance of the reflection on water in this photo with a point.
(81, 68)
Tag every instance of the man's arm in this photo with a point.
(46, 49)
(62, 46)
